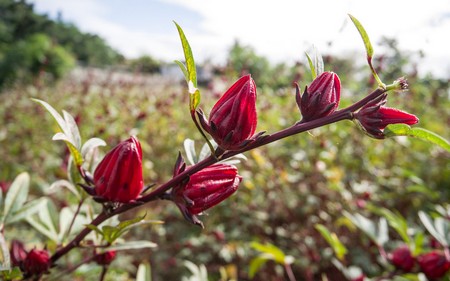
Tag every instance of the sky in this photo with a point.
(281, 30)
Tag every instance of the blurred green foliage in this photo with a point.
(288, 187)
(32, 44)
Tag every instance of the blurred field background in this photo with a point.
(288, 186)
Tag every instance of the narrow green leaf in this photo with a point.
(59, 119)
(189, 148)
(27, 210)
(255, 265)
(94, 228)
(364, 224)
(270, 249)
(140, 244)
(90, 145)
(311, 66)
(419, 239)
(429, 225)
(54, 187)
(339, 249)
(144, 272)
(396, 221)
(4, 253)
(190, 69)
(364, 36)
(420, 133)
(73, 129)
(42, 229)
(74, 151)
(16, 195)
(183, 69)
(189, 57)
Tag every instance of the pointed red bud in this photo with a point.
(402, 258)
(118, 177)
(206, 189)
(37, 262)
(232, 121)
(374, 117)
(321, 98)
(434, 264)
(17, 253)
(105, 258)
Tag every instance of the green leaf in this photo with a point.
(28, 209)
(16, 195)
(94, 228)
(189, 148)
(191, 71)
(369, 49)
(183, 69)
(74, 151)
(272, 251)
(364, 224)
(11, 274)
(90, 145)
(42, 229)
(144, 272)
(139, 244)
(430, 226)
(73, 129)
(364, 36)
(396, 221)
(61, 122)
(255, 265)
(54, 187)
(316, 64)
(4, 253)
(420, 133)
(112, 233)
(339, 249)
(311, 66)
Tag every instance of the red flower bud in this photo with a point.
(232, 121)
(118, 177)
(18, 253)
(402, 258)
(374, 117)
(434, 264)
(105, 258)
(206, 189)
(37, 262)
(321, 98)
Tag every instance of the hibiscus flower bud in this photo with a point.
(37, 262)
(105, 258)
(402, 258)
(321, 98)
(118, 177)
(434, 264)
(206, 189)
(17, 253)
(232, 121)
(374, 117)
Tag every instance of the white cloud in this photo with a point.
(282, 30)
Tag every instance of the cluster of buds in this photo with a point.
(32, 263)
(433, 264)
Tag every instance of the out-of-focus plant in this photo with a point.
(101, 190)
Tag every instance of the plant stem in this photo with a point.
(104, 270)
(289, 272)
(74, 217)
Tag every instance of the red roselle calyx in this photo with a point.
(118, 177)
(402, 258)
(105, 258)
(374, 117)
(434, 264)
(321, 98)
(206, 189)
(18, 253)
(232, 121)
(37, 262)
